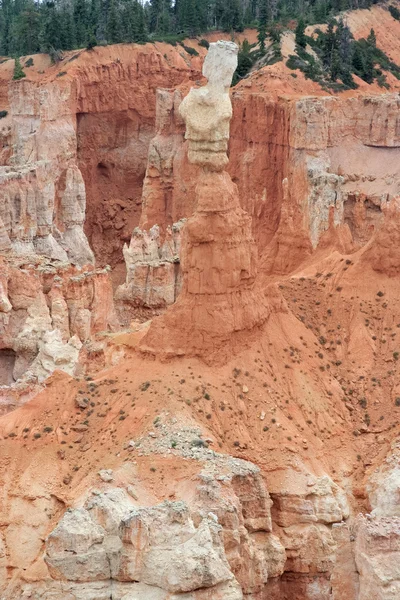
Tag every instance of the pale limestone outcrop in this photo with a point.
(215, 544)
(305, 511)
(377, 557)
(319, 500)
(153, 276)
(207, 111)
(49, 312)
(384, 485)
(377, 551)
(44, 199)
(55, 354)
(5, 304)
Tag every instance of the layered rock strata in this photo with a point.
(219, 297)
(303, 167)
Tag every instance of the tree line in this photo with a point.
(28, 27)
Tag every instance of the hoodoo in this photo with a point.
(220, 298)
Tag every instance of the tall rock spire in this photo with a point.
(219, 299)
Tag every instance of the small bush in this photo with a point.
(29, 62)
(3, 113)
(204, 44)
(61, 73)
(191, 51)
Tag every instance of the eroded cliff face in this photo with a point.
(261, 460)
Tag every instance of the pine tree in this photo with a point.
(369, 71)
(301, 39)
(188, 17)
(113, 24)
(160, 16)
(371, 39)
(335, 69)
(344, 38)
(231, 17)
(68, 31)
(49, 36)
(262, 25)
(25, 31)
(18, 72)
(101, 28)
(141, 28)
(329, 44)
(80, 18)
(358, 60)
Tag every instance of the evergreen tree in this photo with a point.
(231, 17)
(80, 19)
(188, 17)
(262, 25)
(329, 44)
(68, 31)
(371, 39)
(18, 72)
(358, 60)
(245, 61)
(301, 39)
(160, 16)
(50, 34)
(25, 31)
(335, 67)
(113, 24)
(369, 71)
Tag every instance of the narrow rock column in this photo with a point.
(219, 297)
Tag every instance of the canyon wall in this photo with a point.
(244, 444)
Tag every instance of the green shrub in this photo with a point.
(29, 62)
(189, 50)
(204, 44)
(3, 113)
